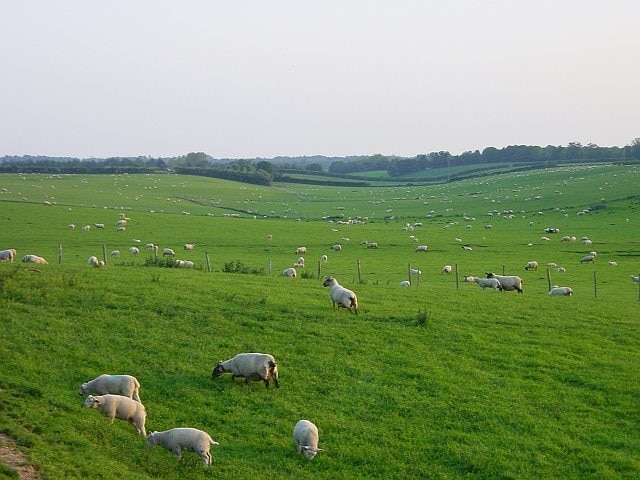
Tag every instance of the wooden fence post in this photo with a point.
(319, 268)
(269, 267)
(595, 285)
(359, 273)
(104, 253)
(59, 254)
(549, 279)
(206, 258)
(409, 272)
(457, 282)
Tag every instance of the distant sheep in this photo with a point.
(422, 248)
(178, 439)
(635, 278)
(405, 283)
(533, 265)
(415, 271)
(125, 385)
(507, 282)
(447, 269)
(613, 263)
(336, 247)
(168, 252)
(250, 366)
(8, 255)
(86, 228)
(98, 225)
(289, 272)
(340, 296)
(324, 258)
(561, 269)
(372, 244)
(188, 246)
(587, 259)
(561, 291)
(94, 262)
(184, 264)
(301, 250)
(468, 279)
(466, 248)
(71, 226)
(34, 259)
(115, 253)
(118, 406)
(487, 283)
(134, 250)
(305, 434)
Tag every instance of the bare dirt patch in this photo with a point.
(14, 458)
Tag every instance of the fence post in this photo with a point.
(359, 272)
(206, 258)
(269, 267)
(319, 273)
(595, 285)
(104, 253)
(409, 272)
(549, 279)
(59, 254)
(457, 283)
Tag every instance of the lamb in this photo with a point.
(340, 296)
(447, 269)
(94, 262)
(487, 282)
(299, 262)
(613, 263)
(301, 250)
(177, 439)
(289, 272)
(250, 366)
(561, 290)
(125, 385)
(467, 248)
(405, 283)
(507, 282)
(561, 269)
(533, 265)
(415, 271)
(71, 226)
(422, 248)
(305, 434)
(34, 259)
(468, 279)
(118, 406)
(86, 228)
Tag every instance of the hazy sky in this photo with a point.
(262, 78)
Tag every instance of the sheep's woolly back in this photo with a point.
(340, 296)
(187, 438)
(305, 435)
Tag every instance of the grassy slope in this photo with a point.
(494, 385)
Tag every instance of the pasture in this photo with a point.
(438, 380)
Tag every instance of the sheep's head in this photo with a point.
(218, 370)
(310, 452)
(83, 389)
(151, 439)
(92, 402)
(328, 281)
(490, 274)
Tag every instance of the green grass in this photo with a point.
(427, 382)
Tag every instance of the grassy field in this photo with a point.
(439, 380)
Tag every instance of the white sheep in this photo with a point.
(324, 258)
(134, 250)
(8, 255)
(613, 263)
(533, 265)
(98, 225)
(561, 290)
(415, 271)
(466, 248)
(299, 262)
(422, 248)
(507, 282)
(177, 439)
(372, 244)
(340, 296)
(336, 247)
(289, 272)
(86, 228)
(71, 226)
(119, 406)
(405, 283)
(94, 262)
(587, 259)
(189, 246)
(447, 269)
(168, 252)
(305, 434)
(184, 264)
(468, 279)
(125, 385)
(635, 278)
(115, 253)
(34, 259)
(561, 269)
(250, 366)
(487, 283)
(301, 250)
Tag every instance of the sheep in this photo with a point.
(372, 244)
(533, 265)
(177, 439)
(336, 248)
(447, 269)
(289, 272)
(188, 246)
(94, 262)
(324, 258)
(422, 248)
(71, 226)
(305, 434)
(561, 290)
(119, 406)
(134, 250)
(340, 296)
(184, 263)
(544, 239)
(125, 385)
(468, 279)
(115, 253)
(487, 282)
(507, 282)
(301, 250)
(86, 228)
(168, 252)
(587, 259)
(34, 259)
(8, 255)
(587, 242)
(635, 278)
(250, 366)
(561, 269)
(121, 223)
(269, 237)
(415, 271)
(566, 238)
(467, 248)
(405, 283)
(613, 263)
(552, 264)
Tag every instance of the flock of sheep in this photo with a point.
(117, 396)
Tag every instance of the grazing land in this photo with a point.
(438, 380)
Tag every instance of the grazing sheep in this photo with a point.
(587, 259)
(372, 244)
(561, 290)
(561, 269)
(86, 228)
(405, 283)
(336, 247)
(468, 279)
(613, 263)
(552, 264)
(415, 271)
(566, 238)
(587, 242)
(125, 385)
(544, 239)
(635, 278)
(269, 237)
(184, 264)
(305, 434)
(533, 265)
(8, 255)
(34, 259)
(134, 250)
(289, 272)
(118, 406)
(177, 439)
(324, 258)
(447, 269)
(301, 250)
(487, 282)
(422, 248)
(189, 246)
(340, 296)
(168, 252)
(250, 366)
(466, 248)
(94, 262)
(115, 253)
(507, 282)
(71, 226)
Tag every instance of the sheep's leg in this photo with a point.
(177, 451)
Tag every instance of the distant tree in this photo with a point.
(265, 166)
(635, 148)
(314, 167)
